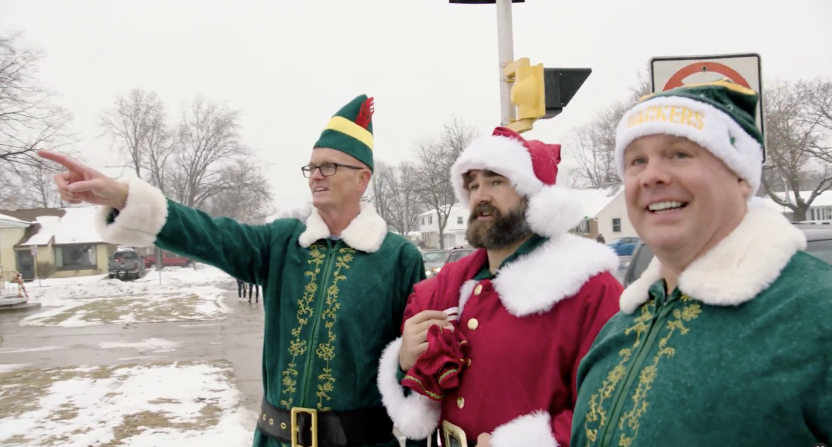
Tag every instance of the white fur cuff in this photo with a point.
(140, 221)
(530, 430)
(416, 416)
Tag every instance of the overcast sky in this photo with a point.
(290, 65)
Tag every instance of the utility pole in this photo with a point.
(505, 51)
(527, 92)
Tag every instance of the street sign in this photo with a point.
(34, 250)
(745, 69)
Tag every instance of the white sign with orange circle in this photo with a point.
(676, 71)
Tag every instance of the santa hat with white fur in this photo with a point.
(719, 116)
(532, 168)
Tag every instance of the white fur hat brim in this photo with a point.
(552, 210)
(700, 123)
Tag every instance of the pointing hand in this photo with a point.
(82, 183)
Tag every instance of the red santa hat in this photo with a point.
(532, 168)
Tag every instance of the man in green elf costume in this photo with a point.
(334, 287)
(725, 339)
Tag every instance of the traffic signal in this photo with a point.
(541, 93)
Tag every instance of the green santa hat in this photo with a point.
(719, 116)
(351, 130)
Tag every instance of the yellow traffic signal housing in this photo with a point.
(528, 92)
(540, 93)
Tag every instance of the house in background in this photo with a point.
(819, 211)
(412, 236)
(605, 212)
(12, 230)
(59, 243)
(454, 233)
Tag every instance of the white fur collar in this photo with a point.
(366, 232)
(737, 269)
(558, 269)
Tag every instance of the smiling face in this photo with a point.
(681, 199)
(347, 186)
(498, 213)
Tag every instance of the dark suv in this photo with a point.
(818, 238)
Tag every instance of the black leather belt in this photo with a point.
(307, 427)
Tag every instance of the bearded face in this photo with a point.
(497, 230)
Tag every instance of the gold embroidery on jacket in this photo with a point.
(297, 346)
(648, 374)
(326, 351)
(596, 411)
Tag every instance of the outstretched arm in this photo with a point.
(137, 214)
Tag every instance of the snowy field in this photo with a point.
(183, 404)
(185, 294)
(144, 402)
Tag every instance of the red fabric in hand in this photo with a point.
(437, 369)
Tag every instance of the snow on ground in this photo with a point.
(22, 350)
(183, 404)
(183, 295)
(53, 291)
(151, 344)
(11, 367)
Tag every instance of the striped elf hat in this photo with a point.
(351, 131)
(719, 116)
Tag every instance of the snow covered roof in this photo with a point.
(75, 227)
(455, 207)
(594, 200)
(823, 199)
(12, 222)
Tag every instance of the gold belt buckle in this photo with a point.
(454, 436)
(296, 430)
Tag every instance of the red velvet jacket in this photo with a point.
(526, 332)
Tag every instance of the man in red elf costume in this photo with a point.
(491, 345)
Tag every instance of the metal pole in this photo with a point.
(505, 45)
(158, 261)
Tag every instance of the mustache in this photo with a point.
(483, 208)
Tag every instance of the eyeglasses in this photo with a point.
(327, 169)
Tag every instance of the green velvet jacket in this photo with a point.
(331, 304)
(737, 355)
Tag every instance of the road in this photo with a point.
(237, 339)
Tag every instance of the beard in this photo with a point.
(502, 230)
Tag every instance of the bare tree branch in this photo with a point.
(594, 142)
(247, 198)
(28, 120)
(798, 149)
(435, 156)
(137, 124)
(207, 141)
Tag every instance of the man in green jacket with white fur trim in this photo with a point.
(335, 285)
(726, 337)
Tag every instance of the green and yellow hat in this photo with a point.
(351, 131)
(720, 116)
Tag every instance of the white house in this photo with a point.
(454, 233)
(605, 213)
(820, 209)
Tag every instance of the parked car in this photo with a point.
(168, 260)
(624, 246)
(126, 264)
(458, 253)
(434, 260)
(818, 238)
